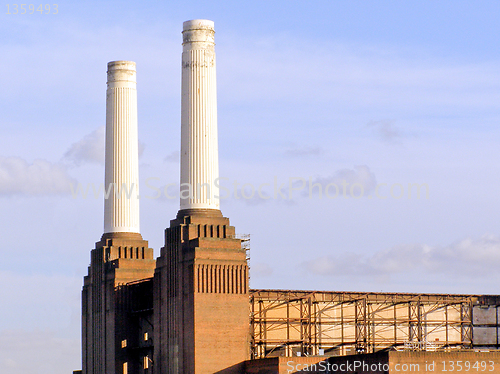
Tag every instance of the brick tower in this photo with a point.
(121, 256)
(201, 280)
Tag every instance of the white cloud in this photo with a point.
(472, 258)
(18, 177)
(90, 149)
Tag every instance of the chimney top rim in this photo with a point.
(122, 65)
(198, 24)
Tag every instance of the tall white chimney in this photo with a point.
(199, 147)
(121, 207)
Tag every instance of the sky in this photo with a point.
(384, 97)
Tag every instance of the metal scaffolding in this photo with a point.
(289, 323)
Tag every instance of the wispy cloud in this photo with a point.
(376, 78)
(357, 182)
(32, 296)
(18, 177)
(40, 320)
(57, 57)
(468, 257)
(386, 130)
(173, 157)
(260, 270)
(90, 149)
(304, 151)
(249, 196)
(141, 148)
(47, 352)
(359, 177)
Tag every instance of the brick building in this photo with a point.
(191, 309)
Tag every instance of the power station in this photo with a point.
(190, 311)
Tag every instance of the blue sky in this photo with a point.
(370, 92)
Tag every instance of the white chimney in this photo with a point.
(121, 207)
(199, 148)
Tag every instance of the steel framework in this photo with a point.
(287, 323)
